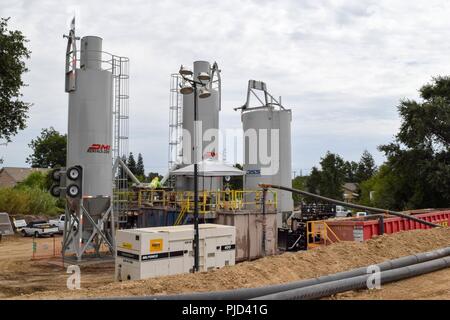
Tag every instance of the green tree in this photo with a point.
(419, 157)
(381, 190)
(131, 163)
(298, 182)
(313, 181)
(13, 52)
(350, 168)
(365, 167)
(332, 176)
(140, 170)
(49, 149)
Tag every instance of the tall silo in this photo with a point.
(208, 117)
(265, 127)
(89, 136)
(88, 179)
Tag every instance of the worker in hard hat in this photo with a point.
(155, 184)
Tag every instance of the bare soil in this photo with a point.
(19, 275)
(434, 286)
(21, 278)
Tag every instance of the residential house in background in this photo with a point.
(11, 176)
(350, 191)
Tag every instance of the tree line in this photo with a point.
(333, 173)
(416, 173)
(137, 168)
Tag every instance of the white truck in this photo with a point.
(343, 212)
(60, 223)
(39, 228)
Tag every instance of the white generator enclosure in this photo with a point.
(160, 251)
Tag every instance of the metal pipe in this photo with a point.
(248, 293)
(128, 171)
(360, 282)
(196, 235)
(264, 221)
(351, 205)
(295, 243)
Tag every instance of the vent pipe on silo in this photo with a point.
(91, 53)
(201, 66)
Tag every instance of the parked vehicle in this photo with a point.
(343, 212)
(361, 214)
(39, 228)
(19, 224)
(60, 223)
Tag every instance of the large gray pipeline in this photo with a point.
(359, 282)
(350, 205)
(248, 293)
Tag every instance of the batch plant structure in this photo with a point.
(90, 219)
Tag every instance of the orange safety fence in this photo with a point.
(46, 248)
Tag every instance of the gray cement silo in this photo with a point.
(271, 116)
(87, 180)
(89, 137)
(208, 115)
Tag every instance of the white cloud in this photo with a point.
(341, 66)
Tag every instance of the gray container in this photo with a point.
(250, 232)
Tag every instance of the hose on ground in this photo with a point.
(248, 293)
(360, 282)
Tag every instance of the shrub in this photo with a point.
(26, 200)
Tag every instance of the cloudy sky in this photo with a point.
(341, 66)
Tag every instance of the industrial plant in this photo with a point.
(103, 196)
(197, 221)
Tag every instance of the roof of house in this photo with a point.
(350, 186)
(19, 174)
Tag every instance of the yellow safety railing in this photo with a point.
(209, 201)
(319, 233)
(180, 217)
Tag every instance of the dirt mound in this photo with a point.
(286, 267)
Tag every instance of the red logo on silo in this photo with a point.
(99, 148)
